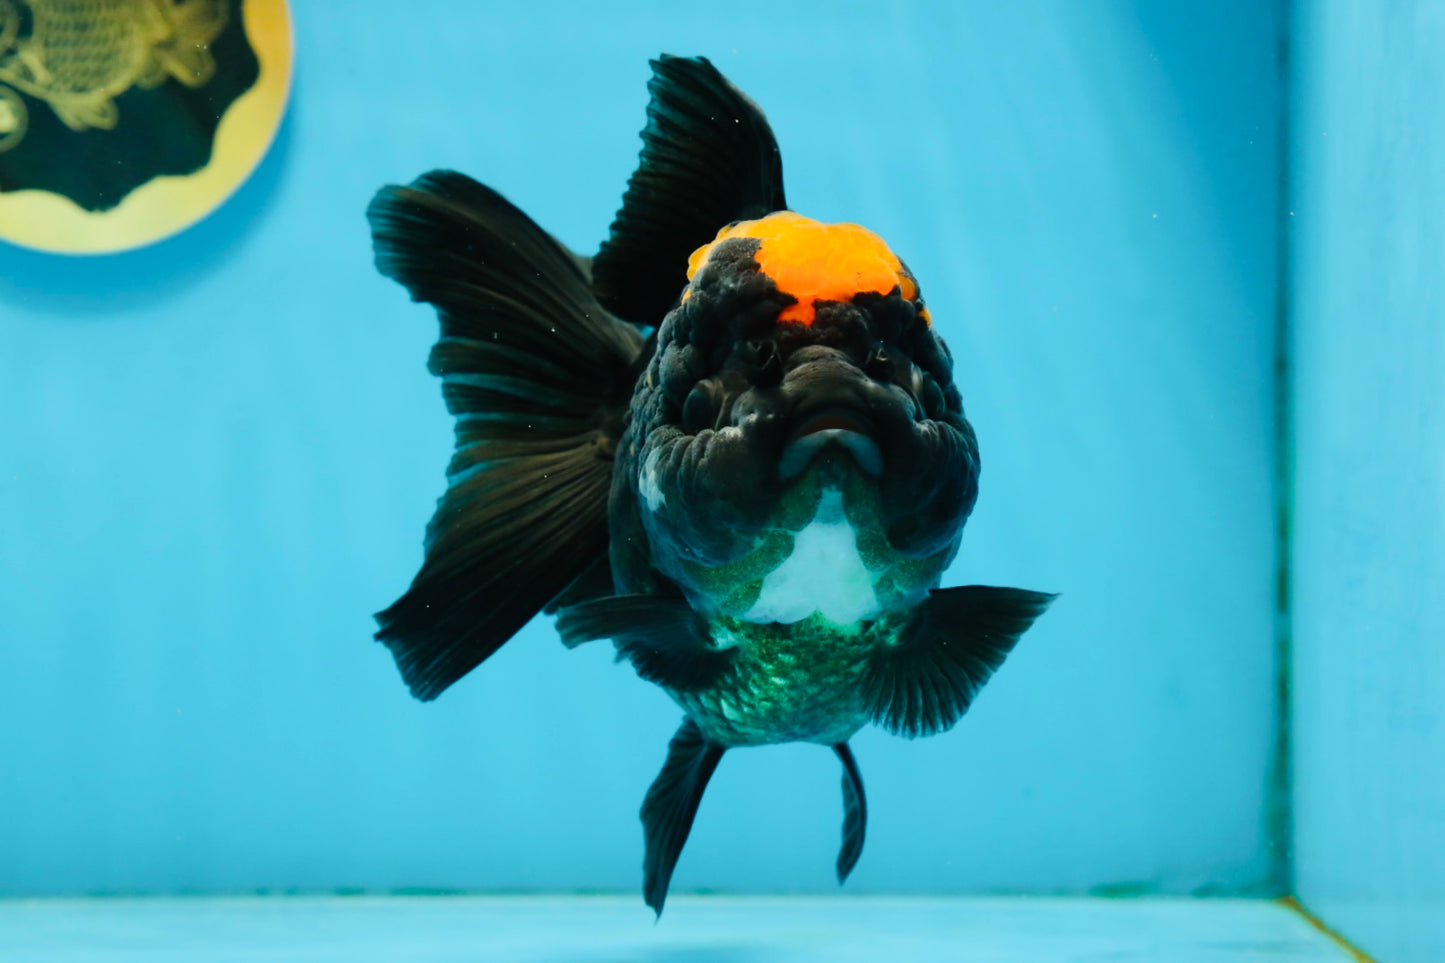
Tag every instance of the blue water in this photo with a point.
(219, 454)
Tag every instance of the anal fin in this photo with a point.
(671, 806)
(855, 812)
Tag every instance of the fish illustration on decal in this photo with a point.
(124, 121)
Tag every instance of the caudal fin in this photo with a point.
(538, 376)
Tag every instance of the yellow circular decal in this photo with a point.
(125, 121)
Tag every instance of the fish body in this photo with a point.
(731, 443)
(800, 467)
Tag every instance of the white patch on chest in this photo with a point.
(647, 484)
(823, 574)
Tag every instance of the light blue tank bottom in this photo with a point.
(618, 929)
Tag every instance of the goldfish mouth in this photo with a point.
(844, 427)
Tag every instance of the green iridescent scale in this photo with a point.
(801, 681)
(734, 587)
(789, 683)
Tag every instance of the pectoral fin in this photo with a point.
(671, 806)
(664, 639)
(957, 639)
(855, 813)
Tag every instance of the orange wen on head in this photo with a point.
(813, 261)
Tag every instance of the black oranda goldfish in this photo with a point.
(731, 443)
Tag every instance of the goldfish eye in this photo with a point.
(880, 365)
(700, 410)
(928, 394)
(769, 362)
(679, 369)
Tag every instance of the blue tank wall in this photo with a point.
(219, 454)
(1369, 345)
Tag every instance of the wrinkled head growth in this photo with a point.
(811, 261)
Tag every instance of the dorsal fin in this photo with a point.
(708, 158)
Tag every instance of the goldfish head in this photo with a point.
(798, 375)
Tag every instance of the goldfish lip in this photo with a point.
(833, 418)
(843, 427)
